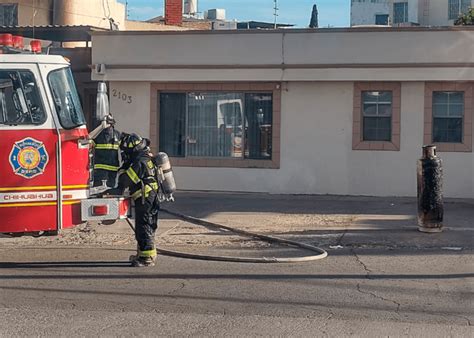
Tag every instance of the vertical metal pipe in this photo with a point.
(430, 191)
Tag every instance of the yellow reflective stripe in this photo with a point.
(106, 167)
(148, 189)
(133, 175)
(49, 187)
(107, 146)
(147, 253)
(79, 186)
(39, 204)
(137, 194)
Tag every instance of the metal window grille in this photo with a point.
(216, 124)
(9, 15)
(400, 12)
(448, 117)
(457, 7)
(377, 115)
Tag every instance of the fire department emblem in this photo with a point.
(29, 158)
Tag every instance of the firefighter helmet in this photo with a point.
(131, 143)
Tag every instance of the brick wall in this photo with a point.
(174, 12)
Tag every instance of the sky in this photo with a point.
(334, 13)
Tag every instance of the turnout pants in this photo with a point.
(146, 223)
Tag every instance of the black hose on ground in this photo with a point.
(321, 253)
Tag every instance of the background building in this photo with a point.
(274, 111)
(64, 26)
(407, 12)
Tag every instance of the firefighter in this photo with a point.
(140, 177)
(106, 157)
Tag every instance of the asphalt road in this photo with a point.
(70, 292)
(382, 277)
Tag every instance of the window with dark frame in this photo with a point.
(216, 124)
(377, 115)
(448, 117)
(8, 14)
(381, 19)
(400, 12)
(457, 7)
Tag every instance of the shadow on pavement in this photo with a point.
(216, 276)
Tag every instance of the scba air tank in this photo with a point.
(168, 183)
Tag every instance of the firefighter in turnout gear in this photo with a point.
(139, 175)
(106, 157)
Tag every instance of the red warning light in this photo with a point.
(100, 210)
(18, 42)
(6, 40)
(35, 46)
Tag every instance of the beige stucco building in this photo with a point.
(330, 111)
(407, 12)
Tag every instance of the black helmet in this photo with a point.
(131, 143)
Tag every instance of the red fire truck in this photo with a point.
(44, 143)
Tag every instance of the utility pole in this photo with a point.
(275, 13)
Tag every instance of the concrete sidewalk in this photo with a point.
(333, 222)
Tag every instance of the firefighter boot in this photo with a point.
(142, 261)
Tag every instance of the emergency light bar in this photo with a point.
(14, 44)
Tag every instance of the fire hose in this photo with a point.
(321, 253)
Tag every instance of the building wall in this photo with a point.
(316, 147)
(89, 12)
(317, 100)
(428, 13)
(363, 11)
(42, 8)
(72, 12)
(131, 25)
(438, 14)
(130, 105)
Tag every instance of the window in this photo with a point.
(9, 15)
(457, 7)
(216, 124)
(66, 99)
(376, 116)
(448, 115)
(448, 112)
(20, 101)
(381, 19)
(400, 12)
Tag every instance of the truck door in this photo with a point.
(28, 148)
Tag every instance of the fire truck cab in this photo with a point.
(44, 156)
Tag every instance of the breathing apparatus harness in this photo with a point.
(159, 173)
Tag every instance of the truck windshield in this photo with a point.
(66, 99)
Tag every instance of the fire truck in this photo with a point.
(44, 143)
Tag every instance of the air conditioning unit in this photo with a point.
(216, 14)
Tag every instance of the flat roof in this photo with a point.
(54, 32)
(382, 29)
